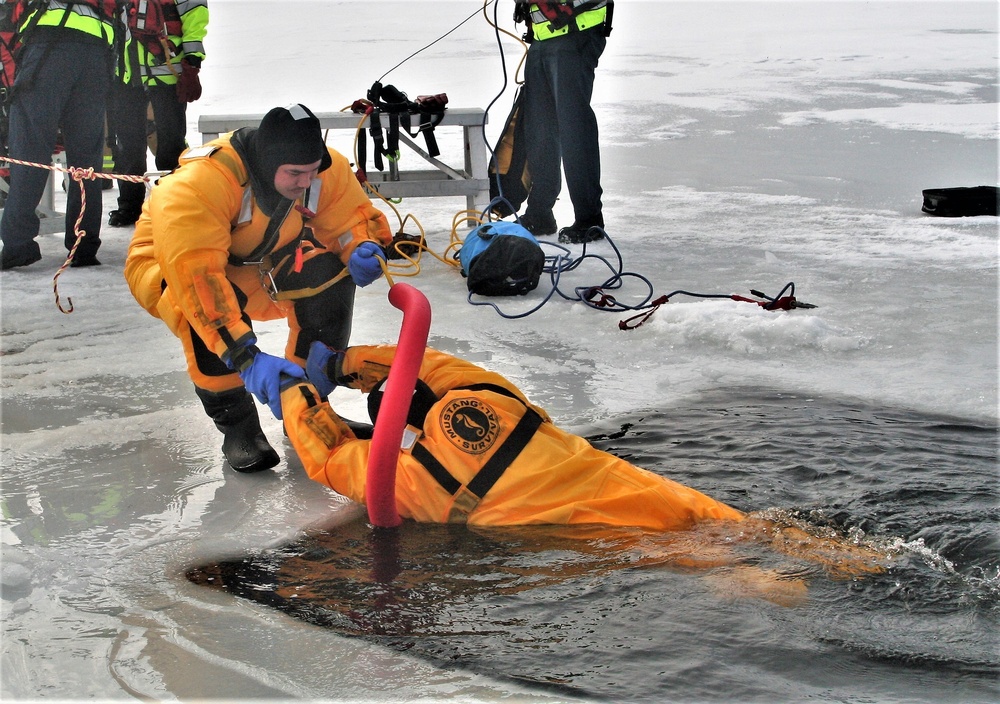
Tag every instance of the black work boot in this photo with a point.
(244, 444)
(587, 230)
(24, 255)
(123, 217)
(539, 224)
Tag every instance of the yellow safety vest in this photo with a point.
(79, 16)
(542, 29)
(187, 25)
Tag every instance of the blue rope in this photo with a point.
(562, 261)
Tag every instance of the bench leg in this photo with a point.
(476, 165)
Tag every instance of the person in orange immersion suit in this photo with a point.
(477, 451)
(264, 223)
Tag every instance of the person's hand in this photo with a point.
(318, 367)
(263, 379)
(188, 83)
(365, 264)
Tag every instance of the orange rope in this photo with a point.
(78, 175)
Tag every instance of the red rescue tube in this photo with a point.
(380, 488)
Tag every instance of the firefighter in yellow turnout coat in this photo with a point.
(473, 424)
(260, 224)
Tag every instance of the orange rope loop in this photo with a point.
(79, 175)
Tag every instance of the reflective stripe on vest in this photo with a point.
(162, 71)
(79, 16)
(541, 28)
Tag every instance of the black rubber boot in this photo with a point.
(244, 444)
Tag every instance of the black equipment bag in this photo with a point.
(501, 259)
(959, 202)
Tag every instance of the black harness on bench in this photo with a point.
(394, 103)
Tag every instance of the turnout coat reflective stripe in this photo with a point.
(178, 265)
(559, 478)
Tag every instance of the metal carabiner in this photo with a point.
(267, 282)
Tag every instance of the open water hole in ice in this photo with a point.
(617, 616)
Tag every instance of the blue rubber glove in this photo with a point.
(365, 264)
(263, 379)
(318, 367)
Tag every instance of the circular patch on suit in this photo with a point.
(470, 424)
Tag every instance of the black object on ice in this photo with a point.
(958, 202)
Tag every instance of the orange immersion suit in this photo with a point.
(556, 478)
(201, 218)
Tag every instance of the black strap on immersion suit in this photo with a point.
(468, 497)
(280, 211)
(278, 265)
(270, 238)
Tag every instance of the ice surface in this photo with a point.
(745, 145)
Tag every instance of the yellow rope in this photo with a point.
(513, 36)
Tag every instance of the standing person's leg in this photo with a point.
(127, 117)
(541, 130)
(83, 132)
(576, 63)
(39, 94)
(171, 125)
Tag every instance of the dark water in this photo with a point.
(624, 617)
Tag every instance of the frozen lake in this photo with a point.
(745, 145)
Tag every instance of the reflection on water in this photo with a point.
(715, 613)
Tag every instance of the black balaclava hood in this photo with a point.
(288, 135)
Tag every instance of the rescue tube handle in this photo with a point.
(380, 487)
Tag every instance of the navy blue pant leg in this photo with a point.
(127, 119)
(171, 125)
(541, 132)
(34, 126)
(59, 84)
(83, 125)
(560, 124)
